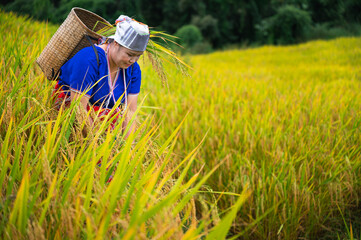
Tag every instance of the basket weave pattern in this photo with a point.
(69, 39)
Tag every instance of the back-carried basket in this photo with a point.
(75, 33)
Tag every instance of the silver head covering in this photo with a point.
(131, 34)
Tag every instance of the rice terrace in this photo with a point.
(256, 143)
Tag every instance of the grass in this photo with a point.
(257, 144)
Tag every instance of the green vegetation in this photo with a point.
(189, 35)
(289, 25)
(222, 23)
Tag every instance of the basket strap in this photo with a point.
(94, 48)
(55, 76)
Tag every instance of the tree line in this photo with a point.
(203, 25)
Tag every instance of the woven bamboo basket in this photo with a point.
(69, 39)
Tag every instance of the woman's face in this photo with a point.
(123, 57)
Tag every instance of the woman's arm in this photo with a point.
(132, 107)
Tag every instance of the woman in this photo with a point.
(116, 73)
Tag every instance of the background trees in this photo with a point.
(220, 22)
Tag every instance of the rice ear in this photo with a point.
(158, 67)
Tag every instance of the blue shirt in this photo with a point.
(81, 74)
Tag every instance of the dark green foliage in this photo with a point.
(326, 10)
(37, 8)
(189, 35)
(290, 25)
(222, 23)
(208, 26)
(108, 9)
(328, 31)
(191, 39)
(353, 11)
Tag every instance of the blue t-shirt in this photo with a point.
(81, 74)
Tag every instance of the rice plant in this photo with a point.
(286, 121)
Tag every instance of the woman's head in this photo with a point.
(131, 34)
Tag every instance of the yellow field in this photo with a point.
(279, 126)
(286, 120)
